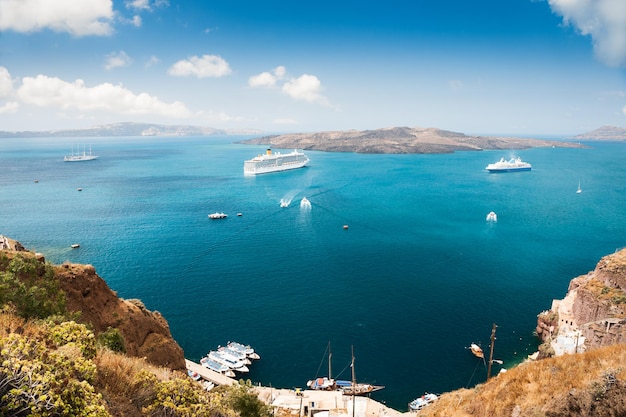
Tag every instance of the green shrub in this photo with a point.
(113, 340)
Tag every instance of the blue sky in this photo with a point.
(519, 67)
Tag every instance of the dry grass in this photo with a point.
(118, 384)
(531, 387)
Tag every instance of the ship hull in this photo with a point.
(274, 168)
(496, 170)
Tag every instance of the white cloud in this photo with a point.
(6, 91)
(10, 107)
(53, 92)
(6, 83)
(603, 20)
(80, 18)
(152, 61)
(285, 122)
(624, 110)
(267, 79)
(146, 4)
(201, 67)
(306, 87)
(117, 59)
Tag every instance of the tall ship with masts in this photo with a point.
(274, 162)
(78, 156)
(327, 383)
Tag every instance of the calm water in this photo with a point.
(416, 278)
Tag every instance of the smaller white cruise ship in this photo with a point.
(512, 165)
(274, 162)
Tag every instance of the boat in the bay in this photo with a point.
(477, 350)
(579, 190)
(216, 366)
(492, 217)
(229, 360)
(274, 162)
(512, 165)
(246, 349)
(421, 402)
(80, 156)
(235, 353)
(217, 215)
(305, 203)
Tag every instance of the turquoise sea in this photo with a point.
(418, 275)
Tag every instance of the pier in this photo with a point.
(209, 375)
(309, 403)
(305, 403)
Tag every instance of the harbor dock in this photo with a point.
(209, 375)
(305, 403)
(309, 403)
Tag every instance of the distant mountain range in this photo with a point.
(604, 133)
(133, 129)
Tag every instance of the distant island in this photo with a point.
(401, 140)
(132, 129)
(604, 133)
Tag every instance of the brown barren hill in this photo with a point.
(401, 140)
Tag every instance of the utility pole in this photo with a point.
(493, 338)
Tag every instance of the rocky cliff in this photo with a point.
(593, 313)
(146, 333)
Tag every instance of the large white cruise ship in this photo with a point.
(274, 162)
(514, 164)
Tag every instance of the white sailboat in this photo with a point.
(78, 156)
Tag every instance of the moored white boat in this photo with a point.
(216, 366)
(247, 349)
(477, 351)
(217, 215)
(229, 360)
(421, 402)
(237, 354)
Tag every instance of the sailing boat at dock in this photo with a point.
(354, 388)
(327, 383)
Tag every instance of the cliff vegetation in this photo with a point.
(70, 347)
(113, 358)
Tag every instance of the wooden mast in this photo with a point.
(493, 338)
(330, 360)
(353, 383)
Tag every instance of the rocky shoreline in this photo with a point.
(591, 315)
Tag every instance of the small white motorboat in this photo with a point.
(492, 217)
(218, 216)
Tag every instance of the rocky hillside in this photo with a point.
(592, 314)
(604, 133)
(400, 140)
(146, 333)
